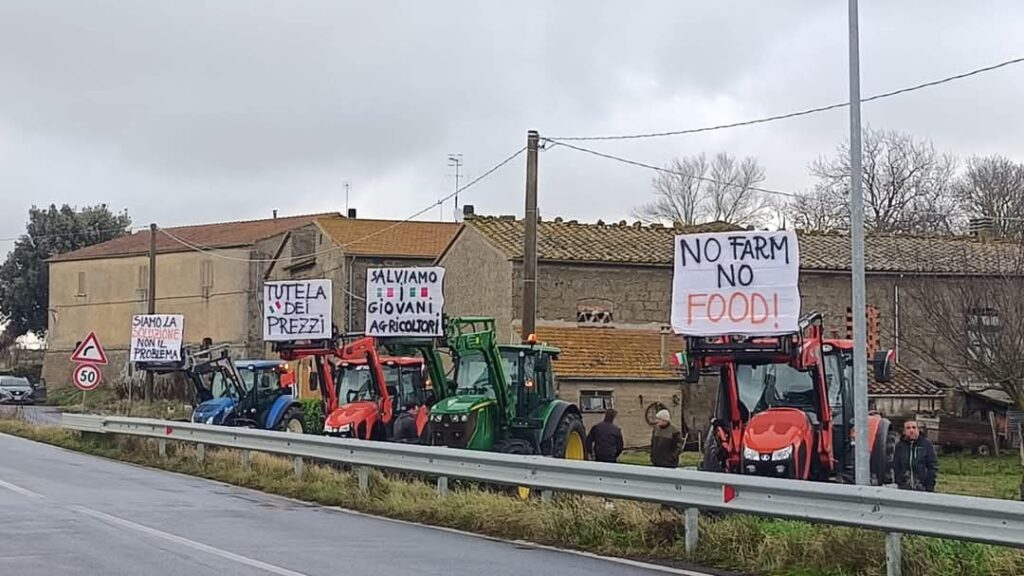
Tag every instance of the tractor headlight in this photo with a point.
(464, 418)
(751, 454)
(436, 417)
(783, 453)
(209, 420)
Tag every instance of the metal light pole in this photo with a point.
(860, 349)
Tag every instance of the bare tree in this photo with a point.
(907, 187)
(694, 190)
(993, 187)
(972, 327)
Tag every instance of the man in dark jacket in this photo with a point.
(605, 439)
(666, 442)
(915, 466)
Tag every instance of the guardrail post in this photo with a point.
(161, 447)
(893, 554)
(442, 486)
(364, 478)
(200, 452)
(297, 465)
(545, 495)
(246, 460)
(690, 516)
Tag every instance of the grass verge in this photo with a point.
(627, 529)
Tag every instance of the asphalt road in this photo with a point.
(67, 513)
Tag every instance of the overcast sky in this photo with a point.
(188, 111)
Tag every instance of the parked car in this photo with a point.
(15, 390)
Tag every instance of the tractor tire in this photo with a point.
(882, 453)
(521, 447)
(569, 441)
(983, 450)
(712, 458)
(513, 446)
(293, 421)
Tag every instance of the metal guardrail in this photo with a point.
(878, 508)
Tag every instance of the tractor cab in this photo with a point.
(837, 357)
(773, 416)
(251, 393)
(361, 397)
(503, 397)
(366, 394)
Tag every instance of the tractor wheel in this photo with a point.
(568, 441)
(521, 447)
(882, 453)
(292, 421)
(712, 460)
(983, 450)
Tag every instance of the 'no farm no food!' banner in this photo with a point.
(404, 301)
(736, 283)
(297, 310)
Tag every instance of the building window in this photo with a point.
(206, 277)
(142, 286)
(982, 330)
(81, 284)
(596, 400)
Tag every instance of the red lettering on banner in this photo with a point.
(737, 307)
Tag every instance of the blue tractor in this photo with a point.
(249, 393)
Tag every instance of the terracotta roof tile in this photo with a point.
(389, 237)
(603, 352)
(905, 382)
(652, 245)
(218, 235)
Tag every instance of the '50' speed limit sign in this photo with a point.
(87, 376)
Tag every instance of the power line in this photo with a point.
(639, 164)
(800, 112)
(211, 252)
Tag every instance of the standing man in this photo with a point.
(605, 439)
(666, 442)
(915, 466)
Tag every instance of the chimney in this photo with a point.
(351, 212)
(983, 227)
(275, 214)
(467, 211)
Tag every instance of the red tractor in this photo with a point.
(366, 394)
(785, 405)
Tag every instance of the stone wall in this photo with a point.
(634, 294)
(478, 282)
(631, 399)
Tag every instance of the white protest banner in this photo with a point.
(736, 283)
(297, 310)
(157, 337)
(404, 301)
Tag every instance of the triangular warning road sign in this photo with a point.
(90, 351)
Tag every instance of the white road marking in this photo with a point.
(186, 542)
(22, 491)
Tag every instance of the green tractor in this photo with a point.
(503, 398)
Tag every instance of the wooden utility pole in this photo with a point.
(530, 237)
(151, 308)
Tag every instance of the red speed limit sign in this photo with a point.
(87, 376)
